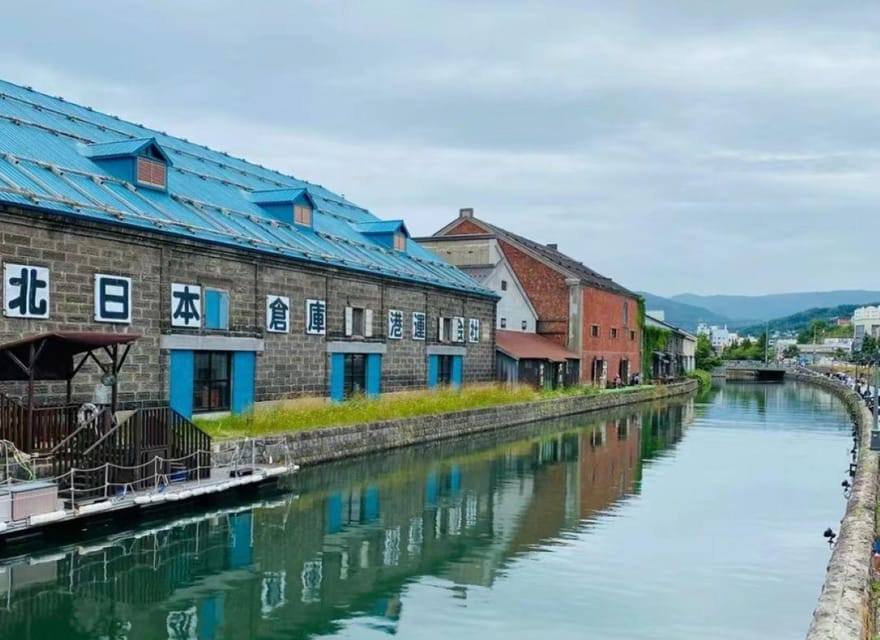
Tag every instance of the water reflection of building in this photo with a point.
(348, 545)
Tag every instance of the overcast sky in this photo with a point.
(711, 147)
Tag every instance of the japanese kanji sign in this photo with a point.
(473, 330)
(112, 299)
(316, 317)
(186, 305)
(277, 314)
(419, 326)
(458, 329)
(25, 291)
(395, 324)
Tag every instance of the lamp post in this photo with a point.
(875, 432)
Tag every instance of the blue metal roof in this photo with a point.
(45, 163)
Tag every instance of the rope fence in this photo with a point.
(116, 481)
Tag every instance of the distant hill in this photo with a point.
(755, 309)
(799, 321)
(682, 315)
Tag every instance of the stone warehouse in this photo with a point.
(245, 284)
(547, 293)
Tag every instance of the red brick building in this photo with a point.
(579, 309)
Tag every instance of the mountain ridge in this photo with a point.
(682, 315)
(752, 309)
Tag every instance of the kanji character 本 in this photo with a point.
(316, 317)
(277, 314)
(26, 291)
(395, 324)
(419, 326)
(186, 301)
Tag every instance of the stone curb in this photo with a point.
(325, 444)
(844, 607)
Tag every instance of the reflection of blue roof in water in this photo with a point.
(52, 158)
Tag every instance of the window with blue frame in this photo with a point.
(212, 381)
(444, 370)
(216, 309)
(355, 374)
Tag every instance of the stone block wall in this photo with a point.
(314, 446)
(292, 365)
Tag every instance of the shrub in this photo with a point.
(703, 378)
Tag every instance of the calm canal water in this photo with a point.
(700, 520)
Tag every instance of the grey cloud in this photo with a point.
(672, 145)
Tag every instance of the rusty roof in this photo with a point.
(531, 346)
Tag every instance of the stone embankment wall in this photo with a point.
(314, 446)
(844, 609)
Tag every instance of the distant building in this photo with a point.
(843, 322)
(820, 353)
(846, 344)
(522, 356)
(866, 322)
(720, 337)
(583, 311)
(679, 357)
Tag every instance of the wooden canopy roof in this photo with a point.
(50, 356)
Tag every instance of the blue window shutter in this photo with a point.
(374, 374)
(224, 310)
(334, 513)
(216, 309)
(432, 488)
(457, 370)
(244, 369)
(455, 478)
(337, 376)
(433, 371)
(371, 504)
(241, 551)
(180, 382)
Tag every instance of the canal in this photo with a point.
(693, 520)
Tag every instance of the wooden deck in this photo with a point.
(218, 481)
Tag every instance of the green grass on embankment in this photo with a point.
(703, 378)
(315, 413)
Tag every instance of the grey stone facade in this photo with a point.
(292, 364)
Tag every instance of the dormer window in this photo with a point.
(140, 161)
(390, 234)
(302, 214)
(151, 173)
(287, 205)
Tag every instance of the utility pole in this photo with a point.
(766, 340)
